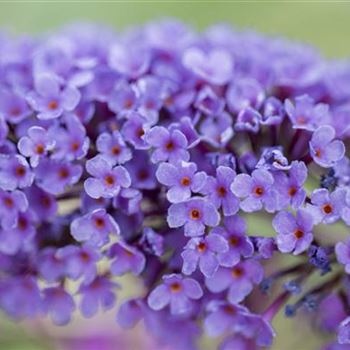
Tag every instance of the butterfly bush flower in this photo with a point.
(14, 172)
(324, 150)
(238, 280)
(294, 233)
(36, 144)
(50, 100)
(182, 179)
(218, 190)
(194, 215)
(126, 258)
(203, 252)
(113, 148)
(256, 190)
(215, 67)
(169, 146)
(177, 292)
(239, 244)
(94, 227)
(107, 181)
(212, 167)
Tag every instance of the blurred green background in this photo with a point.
(325, 25)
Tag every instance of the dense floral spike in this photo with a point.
(155, 153)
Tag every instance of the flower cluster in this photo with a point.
(155, 153)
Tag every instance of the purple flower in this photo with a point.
(208, 102)
(107, 181)
(80, 261)
(169, 145)
(142, 171)
(194, 215)
(129, 60)
(13, 106)
(239, 244)
(128, 201)
(20, 296)
(20, 236)
(331, 312)
(181, 179)
(58, 304)
(343, 332)
(56, 176)
(324, 150)
(177, 292)
(217, 130)
(244, 93)
(123, 98)
(52, 265)
(134, 130)
(94, 228)
(36, 144)
(4, 129)
(342, 250)
(239, 280)
(214, 67)
(129, 313)
(95, 294)
(289, 186)
(152, 242)
(14, 172)
(11, 204)
(50, 100)
(222, 317)
(42, 203)
(125, 259)
(113, 148)
(272, 158)
(218, 191)
(294, 233)
(326, 206)
(305, 114)
(273, 112)
(248, 119)
(256, 191)
(71, 142)
(185, 125)
(203, 252)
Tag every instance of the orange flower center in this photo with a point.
(140, 132)
(195, 214)
(99, 222)
(229, 309)
(185, 181)
(234, 241)
(221, 191)
(298, 234)
(292, 191)
(175, 287)
(20, 171)
(259, 191)
(75, 146)
(109, 179)
(237, 272)
(22, 223)
(115, 150)
(169, 146)
(52, 105)
(63, 173)
(201, 247)
(327, 209)
(8, 202)
(40, 149)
